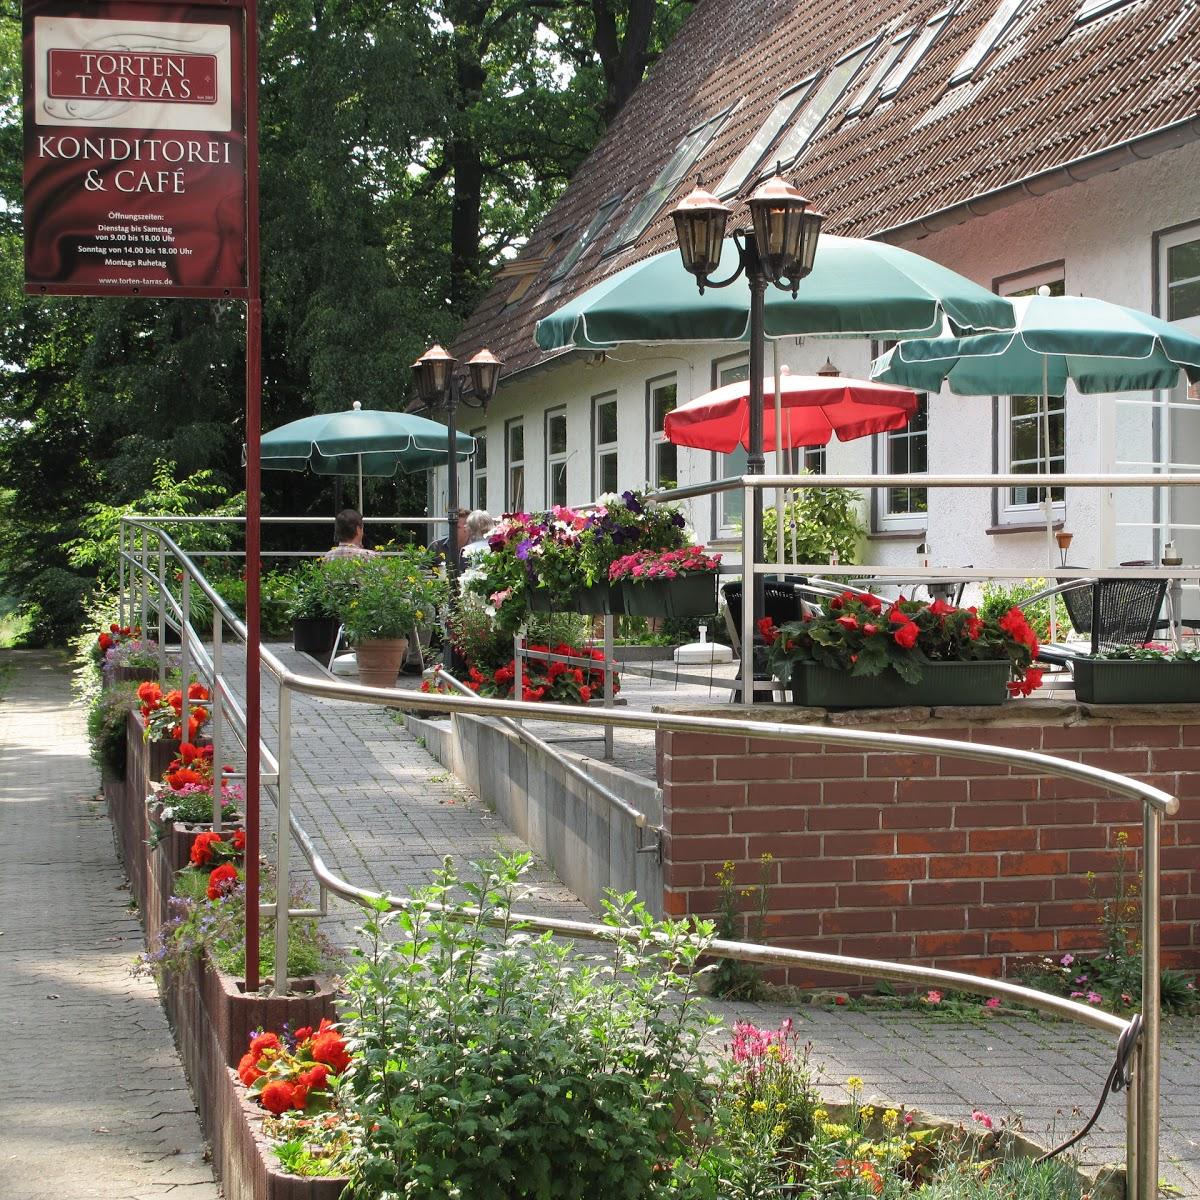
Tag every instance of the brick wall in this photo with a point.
(958, 864)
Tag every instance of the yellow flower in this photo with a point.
(854, 1084)
(890, 1117)
(759, 1106)
(868, 1112)
(779, 1131)
(819, 1114)
(781, 1107)
(834, 1130)
(774, 1051)
(419, 615)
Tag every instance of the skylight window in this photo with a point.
(694, 143)
(784, 110)
(1097, 8)
(987, 39)
(894, 50)
(832, 88)
(589, 235)
(908, 64)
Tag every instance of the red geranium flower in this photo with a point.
(907, 635)
(277, 1097)
(766, 629)
(202, 848)
(848, 623)
(239, 839)
(329, 1048)
(247, 1069)
(222, 880)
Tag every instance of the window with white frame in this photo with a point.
(916, 51)
(514, 459)
(1091, 9)
(479, 470)
(895, 47)
(830, 91)
(1031, 429)
(556, 456)
(905, 452)
(730, 504)
(662, 394)
(781, 115)
(1182, 277)
(989, 35)
(585, 239)
(604, 437)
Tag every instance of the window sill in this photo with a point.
(1029, 527)
(897, 535)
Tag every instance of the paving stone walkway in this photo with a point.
(94, 1103)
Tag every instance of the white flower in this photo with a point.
(168, 814)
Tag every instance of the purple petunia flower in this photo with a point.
(524, 548)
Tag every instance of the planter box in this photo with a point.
(315, 636)
(817, 686)
(688, 596)
(1130, 681)
(175, 843)
(129, 674)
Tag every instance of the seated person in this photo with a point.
(478, 525)
(348, 531)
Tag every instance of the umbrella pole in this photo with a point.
(360, 496)
(780, 467)
(1049, 502)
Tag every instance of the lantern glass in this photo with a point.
(485, 374)
(700, 220)
(433, 370)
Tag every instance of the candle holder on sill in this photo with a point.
(1064, 540)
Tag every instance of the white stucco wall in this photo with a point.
(1102, 231)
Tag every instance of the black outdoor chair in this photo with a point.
(782, 602)
(1111, 612)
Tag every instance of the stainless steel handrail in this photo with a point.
(1143, 1107)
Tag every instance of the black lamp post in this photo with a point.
(439, 387)
(778, 250)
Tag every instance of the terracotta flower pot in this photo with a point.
(379, 661)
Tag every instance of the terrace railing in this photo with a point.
(151, 560)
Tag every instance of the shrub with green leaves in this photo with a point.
(107, 724)
(817, 523)
(498, 1063)
(998, 598)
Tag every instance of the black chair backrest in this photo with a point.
(1117, 612)
(781, 602)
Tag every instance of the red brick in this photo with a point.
(755, 766)
(854, 816)
(768, 820)
(831, 766)
(1113, 811)
(890, 868)
(1181, 858)
(946, 918)
(896, 947)
(674, 903)
(687, 770)
(947, 892)
(874, 920)
(682, 745)
(1003, 839)
(901, 766)
(794, 793)
(987, 966)
(693, 824)
(702, 795)
(872, 895)
(1186, 759)
(793, 925)
(817, 898)
(967, 766)
(816, 870)
(782, 845)
(1190, 734)
(916, 816)
(1074, 887)
(1187, 833)
(1017, 891)
(1054, 788)
(1033, 864)
(1076, 737)
(1064, 812)
(854, 845)
(941, 841)
(931, 791)
(1089, 941)
(1100, 861)
(746, 873)
(1060, 913)
(1003, 787)
(1021, 737)
(988, 816)
(1145, 735)
(1070, 837)
(1016, 941)
(1002, 916)
(860, 791)
(1187, 908)
(1128, 762)
(964, 866)
(762, 745)
(934, 944)
(706, 849)
(683, 875)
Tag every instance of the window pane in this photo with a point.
(557, 433)
(606, 422)
(663, 401)
(558, 483)
(608, 473)
(1183, 300)
(481, 491)
(736, 373)
(893, 52)
(817, 109)
(749, 158)
(732, 503)
(986, 39)
(480, 436)
(1183, 262)
(516, 489)
(589, 235)
(516, 443)
(814, 459)
(905, 67)
(666, 470)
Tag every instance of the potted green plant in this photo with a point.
(1149, 674)
(386, 598)
(311, 607)
(864, 652)
(668, 583)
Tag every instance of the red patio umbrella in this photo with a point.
(816, 407)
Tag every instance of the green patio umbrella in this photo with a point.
(1100, 347)
(857, 288)
(360, 442)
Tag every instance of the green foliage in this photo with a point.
(818, 523)
(485, 644)
(385, 597)
(107, 726)
(1010, 1178)
(998, 598)
(732, 979)
(309, 594)
(499, 1063)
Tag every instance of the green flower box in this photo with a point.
(597, 600)
(1135, 681)
(687, 596)
(941, 683)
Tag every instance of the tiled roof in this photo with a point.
(1051, 92)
